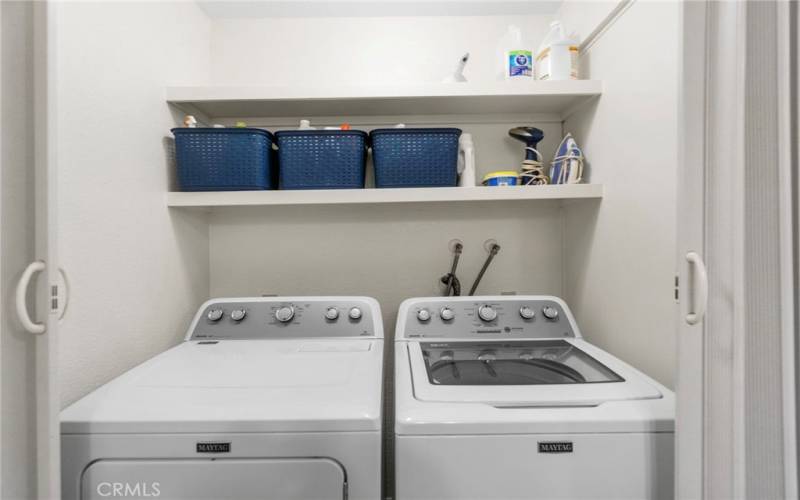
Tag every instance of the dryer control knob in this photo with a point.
(527, 312)
(447, 314)
(331, 313)
(355, 313)
(238, 314)
(550, 313)
(423, 315)
(284, 314)
(487, 313)
(215, 314)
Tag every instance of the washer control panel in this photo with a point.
(488, 317)
(290, 317)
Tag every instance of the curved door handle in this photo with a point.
(22, 292)
(697, 311)
(63, 285)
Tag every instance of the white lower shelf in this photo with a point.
(214, 199)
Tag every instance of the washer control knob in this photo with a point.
(550, 313)
(355, 313)
(527, 312)
(214, 314)
(331, 313)
(447, 314)
(284, 314)
(487, 313)
(238, 314)
(423, 315)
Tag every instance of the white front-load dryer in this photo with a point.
(501, 398)
(268, 398)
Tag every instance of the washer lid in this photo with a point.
(551, 372)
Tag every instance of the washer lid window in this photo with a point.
(513, 363)
(606, 377)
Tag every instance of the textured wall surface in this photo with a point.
(139, 270)
(296, 51)
(619, 262)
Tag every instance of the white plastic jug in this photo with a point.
(557, 57)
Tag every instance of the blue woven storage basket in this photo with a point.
(322, 159)
(415, 157)
(224, 159)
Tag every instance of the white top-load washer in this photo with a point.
(500, 397)
(268, 398)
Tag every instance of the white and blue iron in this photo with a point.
(567, 166)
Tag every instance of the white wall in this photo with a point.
(582, 17)
(17, 374)
(375, 8)
(389, 252)
(295, 51)
(619, 259)
(138, 270)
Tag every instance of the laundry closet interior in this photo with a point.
(141, 257)
(97, 87)
(595, 324)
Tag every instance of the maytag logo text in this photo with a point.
(213, 447)
(555, 447)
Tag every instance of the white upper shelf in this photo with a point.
(214, 199)
(351, 100)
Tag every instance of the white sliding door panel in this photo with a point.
(724, 207)
(736, 404)
(792, 329)
(17, 347)
(47, 397)
(769, 449)
(29, 439)
(788, 54)
(691, 187)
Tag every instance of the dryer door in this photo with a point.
(234, 479)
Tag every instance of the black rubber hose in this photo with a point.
(450, 280)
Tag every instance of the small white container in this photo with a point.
(557, 57)
(305, 125)
(466, 161)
